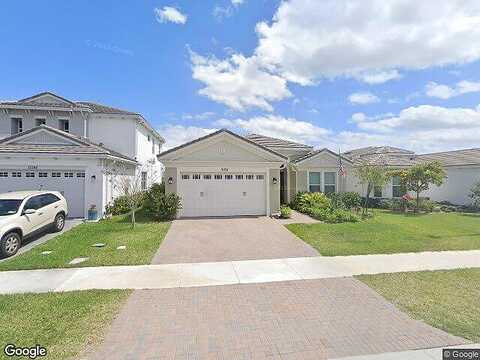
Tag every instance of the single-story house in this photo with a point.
(225, 174)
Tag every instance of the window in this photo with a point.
(143, 183)
(330, 182)
(397, 188)
(196, 177)
(34, 203)
(16, 174)
(260, 177)
(377, 192)
(29, 174)
(64, 125)
(148, 138)
(249, 177)
(17, 125)
(239, 177)
(153, 147)
(3, 174)
(42, 174)
(39, 122)
(68, 174)
(228, 177)
(56, 174)
(48, 199)
(185, 176)
(218, 177)
(207, 177)
(80, 174)
(314, 182)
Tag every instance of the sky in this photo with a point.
(340, 74)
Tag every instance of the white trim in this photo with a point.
(267, 195)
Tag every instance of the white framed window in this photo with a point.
(30, 174)
(3, 174)
(143, 183)
(329, 182)
(185, 176)
(40, 121)
(56, 174)
(397, 188)
(17, 125)
(80, 174)
(260, 177)
(378, 192)
(68, 174)
(228, 177)
(16, 174)
(315, 181)
(64, 125)
(249, 177)
(207, 177)
(218, 177)
(43, 174)
(196, 177)
(239, 177)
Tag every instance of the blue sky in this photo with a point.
(335, 73)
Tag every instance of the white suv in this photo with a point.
(24, 213)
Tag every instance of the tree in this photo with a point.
(129, 181)
(475, 195)
(371, 174)
(419, 177)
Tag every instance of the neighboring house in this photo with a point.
(52, 143)
(225, 174)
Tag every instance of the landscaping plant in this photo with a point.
(160, 206)
(285, 212)
(371, 174)
(475, 195)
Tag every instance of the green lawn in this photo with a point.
(64, 323)
(447, 300)
(393, 233)
(141, 242)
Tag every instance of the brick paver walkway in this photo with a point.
(308, 319)
(225, 239)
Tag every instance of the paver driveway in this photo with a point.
(308, 319)
(225, 239)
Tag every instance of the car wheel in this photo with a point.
(10, 244)
(59, 223)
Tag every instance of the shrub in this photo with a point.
(305, 201)
(336, 200)
(331, 215)
(285, 212)
(119, 206)
(160, 206)
(475, 195)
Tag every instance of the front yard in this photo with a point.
(64, 323)
(447, 300)
(140, 244)
(391, 232)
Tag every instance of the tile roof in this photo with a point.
(275, 143)
(83, 145)
(316, 152)
(104, 109)
(454, 158)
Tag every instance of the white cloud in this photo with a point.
(446, 92)
(237, 2)
(177, 134)
(363, 98)
(238, 82)
(202, 116)
(170, 14)
(370, 39)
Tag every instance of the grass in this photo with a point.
(141, 244)
(64, 323)
(388, 233)
(447, 300)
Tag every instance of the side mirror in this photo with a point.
(29, 211)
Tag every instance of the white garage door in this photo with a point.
(221, 194)
(71, 183)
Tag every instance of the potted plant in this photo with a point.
(92, 213)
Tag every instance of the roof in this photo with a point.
(216, 133)
(386, 155)
(316, 152)
(83, 146)
(454, 158)
(80, 106)
(276, 143)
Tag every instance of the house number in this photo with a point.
(32, 167)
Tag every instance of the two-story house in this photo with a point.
(52, 143)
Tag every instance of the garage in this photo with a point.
(222, 194)
(71, 183)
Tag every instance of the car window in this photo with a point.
(9, 206)
(48, 199)
(34, 203)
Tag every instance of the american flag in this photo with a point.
(341, 169)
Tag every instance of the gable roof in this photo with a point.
(276, 143)
(318, 152)
(454, 158)
(387, 155)
(217, 133)
(30, 98)
(77, 146)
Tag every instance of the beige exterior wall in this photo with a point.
(170, 172)
(292, 184)
(274, 190)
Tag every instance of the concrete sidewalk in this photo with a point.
(229, 272)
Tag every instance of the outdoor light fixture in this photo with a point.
(274, 181)
(93, 177)
(170, 180)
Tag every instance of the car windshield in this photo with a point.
(9, 206)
